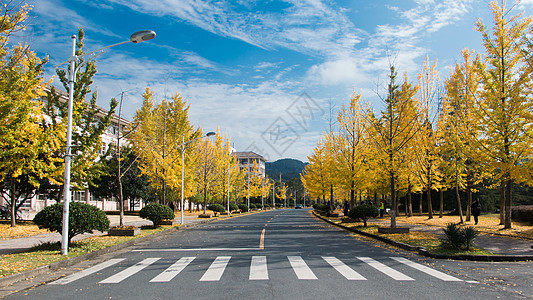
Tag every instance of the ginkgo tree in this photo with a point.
(394, 129)
(158, 132)
(426, 156)
(26, 140)
(502, 108)
(87, 119)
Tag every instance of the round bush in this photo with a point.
(82, 218)
(363, 212)
(243, 207)
(216, 208)
(156, 212)
(233, 207)
(253, 206)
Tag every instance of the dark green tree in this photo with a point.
(363, 212)
(88, 120)
(83, 218)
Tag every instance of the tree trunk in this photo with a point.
(441, 198)
(502, 203)
(409, 203)
(13, 203)
(459, 207)
(469, 203)
(420, 203)
(430, 205)
(508, 184)
(393, 200)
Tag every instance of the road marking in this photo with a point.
(88, 271)
(345, 271)
(385, 269)
(258, 268)
(173, 270)
(216, 269)
(195, 249)
(262, 240)
(300, 268)
(427, 270)
(130, 271)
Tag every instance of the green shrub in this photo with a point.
(253, 206)
(458, 238)
(469, 235)
(156, 212)
(83, 218)
(233, 207)
(363, 212)
(243, 207)
(267, 205)
(216, 208)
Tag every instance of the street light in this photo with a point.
(135, 38)
(183, 146)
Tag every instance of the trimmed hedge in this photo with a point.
(156, 212)
(243, 207)
(363, 212)
(82, 218)
(233, 207)
(522, 213)
(216, 208)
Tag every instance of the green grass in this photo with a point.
(48, 253)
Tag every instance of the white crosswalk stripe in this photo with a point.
(258, 269)
(301, 269)
(173, 270)
(88, 271)
(130, 271)
(385, 269)
(345, 271)
(216, 269)
(427, 270)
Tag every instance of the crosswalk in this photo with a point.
(259, 269)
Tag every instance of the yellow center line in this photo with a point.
(262, 240)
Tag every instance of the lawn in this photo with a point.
(51, 252)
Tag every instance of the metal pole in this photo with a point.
(228, 187)
(273, 195)
(182, 174)
(66, 197)
(248, 173)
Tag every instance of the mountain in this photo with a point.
(288, 168)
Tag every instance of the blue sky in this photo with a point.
(265, 72)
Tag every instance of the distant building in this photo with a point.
(247, 160)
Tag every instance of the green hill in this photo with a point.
(288, 168)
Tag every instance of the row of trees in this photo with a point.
(474, 128)
(33, 136)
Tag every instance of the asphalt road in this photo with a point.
(282, 254)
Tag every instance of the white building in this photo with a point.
(248, 159)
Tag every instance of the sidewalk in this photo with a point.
(24, 244)
(496, 244)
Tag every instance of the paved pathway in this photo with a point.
(23, 244)
(496, 244)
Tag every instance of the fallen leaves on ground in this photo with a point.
(21, 230)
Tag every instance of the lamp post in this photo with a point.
(135, 38)
(183, 147)
(229, 169)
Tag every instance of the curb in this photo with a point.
(424, 252)
(29, 274)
